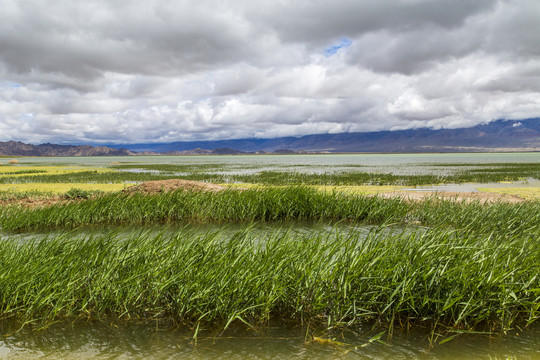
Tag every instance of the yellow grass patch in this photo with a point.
(529, 193)
(61, 188)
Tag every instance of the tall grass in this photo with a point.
(435, 276)
(268, 204)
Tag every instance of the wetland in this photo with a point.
(299, 256)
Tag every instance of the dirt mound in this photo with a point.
(160, 186)
(483, 197)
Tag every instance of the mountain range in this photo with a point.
(17, 148)
(500, 135)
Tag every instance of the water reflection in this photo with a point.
(189, 230)
(132, 340)
(474, 187)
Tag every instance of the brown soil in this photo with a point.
(483, 197)
(160, 186)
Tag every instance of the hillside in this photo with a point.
(17, 148)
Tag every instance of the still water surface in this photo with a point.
(394, 163)
(114, 340)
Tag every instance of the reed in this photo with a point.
(433, 276)
(264, 204)
(270, 204)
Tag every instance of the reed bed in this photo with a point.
(438, 276)
(264, 204)
(269, 204)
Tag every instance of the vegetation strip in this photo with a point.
(475, 173)
(269, 204)
(430, 276)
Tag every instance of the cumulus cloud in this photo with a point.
(158, 70)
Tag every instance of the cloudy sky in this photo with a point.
(106, 71)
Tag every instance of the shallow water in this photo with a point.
(255, 229)
(130, 340)
(474, 187)
(395, 163)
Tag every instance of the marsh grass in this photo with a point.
(271, 204)
(264, 204)
(171, 167)
(449, 264)
(57, 188)
(438, 276)
(93, 176)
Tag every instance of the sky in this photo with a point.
(153, 71)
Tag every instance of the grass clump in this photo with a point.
(435, 276)
(264, 204)
(270, 204)
(77, 193)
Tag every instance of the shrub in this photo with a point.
(75, 193)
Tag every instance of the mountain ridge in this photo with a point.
(17, 148)
(499, 135)
(502, 135)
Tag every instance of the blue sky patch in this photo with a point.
(343, 43)
(10, 85)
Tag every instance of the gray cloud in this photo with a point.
(150, 71)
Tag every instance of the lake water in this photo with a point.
(395, 163)
(132, 340)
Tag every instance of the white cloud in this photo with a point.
(157, 71)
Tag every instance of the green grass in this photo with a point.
(428, 276)
(86, 177)
(20, 172)
(270, 204)
(265, 204)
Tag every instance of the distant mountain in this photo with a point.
(500, 135)
(17, 148)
